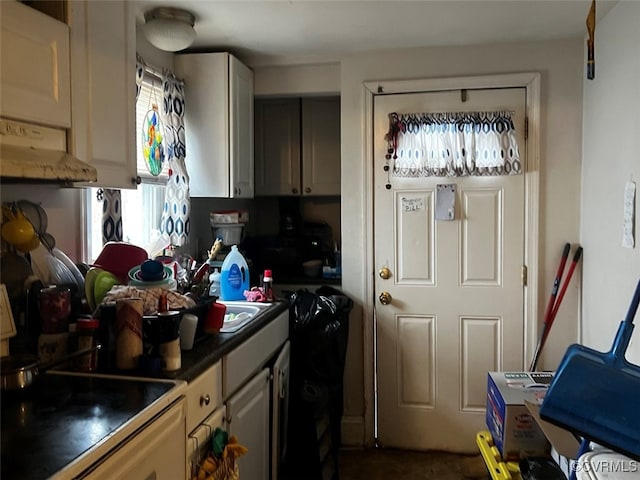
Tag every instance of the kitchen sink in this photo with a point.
(239, 314)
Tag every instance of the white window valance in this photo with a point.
(452, 144)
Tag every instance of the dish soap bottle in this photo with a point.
(234, 277)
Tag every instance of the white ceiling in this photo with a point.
(269, 31)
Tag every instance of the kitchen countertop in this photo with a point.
(63, 433)
(63, 423)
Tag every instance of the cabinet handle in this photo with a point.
(295, 190)
(137, 180)
(205, 400)
(239, 191)
(307, 190)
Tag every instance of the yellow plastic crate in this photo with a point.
(498, 469)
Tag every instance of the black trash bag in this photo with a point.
(319, 330)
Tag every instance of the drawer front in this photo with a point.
(204, 394)
(252, 354)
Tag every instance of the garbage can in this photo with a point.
(318, 332)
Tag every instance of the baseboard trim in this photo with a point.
(352, 431)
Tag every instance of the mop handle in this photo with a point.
(576, 259)
(556, 282)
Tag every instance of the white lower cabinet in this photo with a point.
(248, 419)
(157, 452)
(246, 393)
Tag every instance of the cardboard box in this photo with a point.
(564, 444)
(512, 426)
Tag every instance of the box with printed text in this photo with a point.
(513, 428)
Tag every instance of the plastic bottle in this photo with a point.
(214, 283)
(267, 285)
(234, 277)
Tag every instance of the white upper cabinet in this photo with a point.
(298, 146)
(103, 89)
(218, 124)
(35, 82)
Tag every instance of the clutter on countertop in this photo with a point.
(150, 297)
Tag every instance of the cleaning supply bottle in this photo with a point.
(214, 283)
(234, 277)
(267, 285)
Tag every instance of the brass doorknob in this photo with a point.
(384, 273)
(385, 298)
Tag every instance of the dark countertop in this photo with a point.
(60, 418)
(51, 419)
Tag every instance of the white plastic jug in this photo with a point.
(234, 277)
(214, 283)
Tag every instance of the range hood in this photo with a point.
(31, 153)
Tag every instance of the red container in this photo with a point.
(120, 257)
(215, 318)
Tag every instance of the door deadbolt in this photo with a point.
(385, 298)
(384, 273)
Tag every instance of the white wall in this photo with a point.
(611, 157)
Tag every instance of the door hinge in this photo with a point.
(526, 128)
(523, 275)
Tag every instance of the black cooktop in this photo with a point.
(61, 416)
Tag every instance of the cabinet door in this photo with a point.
(103, 96)
(35, 66)
(206, 119)
(277, 146)
(321, 146)
(248, 419)
(279, 409)
(241, 128)
(199, 441)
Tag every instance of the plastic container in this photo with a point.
(605, 464)
(230, 233)
(234, 277)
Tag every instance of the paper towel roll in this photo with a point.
(128, 333)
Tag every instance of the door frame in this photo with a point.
(531, 82)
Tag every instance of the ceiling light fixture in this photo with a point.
(169, 29)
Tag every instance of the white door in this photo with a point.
(457, 308)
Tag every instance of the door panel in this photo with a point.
(457, 308)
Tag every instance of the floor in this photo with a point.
(385, 464)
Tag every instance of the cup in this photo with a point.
(215, 317)
(188, 326)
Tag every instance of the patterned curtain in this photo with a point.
(112, 198)
(175, 213)
(452, 144)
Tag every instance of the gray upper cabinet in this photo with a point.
(297, 146)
